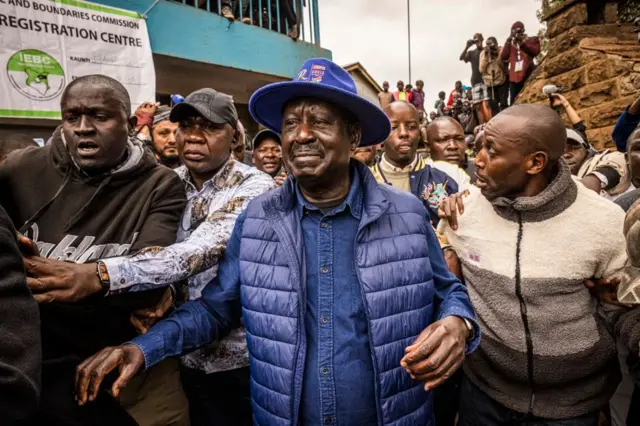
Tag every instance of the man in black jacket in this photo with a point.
(20, 352)
(91, 194)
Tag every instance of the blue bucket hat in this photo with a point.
(322, 79)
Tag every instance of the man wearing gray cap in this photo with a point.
(218, 189)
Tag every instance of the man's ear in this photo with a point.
(235, 140)
(537, 162)
(356, 136)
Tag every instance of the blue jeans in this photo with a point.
(477, 409)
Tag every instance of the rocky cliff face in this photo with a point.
(597, 67)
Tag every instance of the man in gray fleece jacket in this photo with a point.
(527, 239)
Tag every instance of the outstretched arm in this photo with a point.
(194, 324)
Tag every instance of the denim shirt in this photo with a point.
(338, 386)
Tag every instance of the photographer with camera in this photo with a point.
(494, 74)
(604, 172)
(479, 89)
(520, 51)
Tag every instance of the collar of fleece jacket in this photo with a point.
(556, 198)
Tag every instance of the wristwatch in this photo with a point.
(103, 276)
(470, 329)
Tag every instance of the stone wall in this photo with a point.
(597, 67)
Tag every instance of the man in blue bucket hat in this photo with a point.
(351, 314)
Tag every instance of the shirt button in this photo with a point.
(122, 281)
(157, 280)
(328, 420)
(324, 225)
(324, 371)
(324, 269)
(324, 320)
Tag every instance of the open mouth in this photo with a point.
(480, 183)
(88, 148)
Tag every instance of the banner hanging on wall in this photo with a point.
(46, 44)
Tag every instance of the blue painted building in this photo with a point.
(194, 47)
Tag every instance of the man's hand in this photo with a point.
(604, 290)
(58, 281)
(282, 176)
(437, 353)
(592, 182)
(145, 112)
(470, 43)
(450, 207)
(143, 319)
(129, 359)
(453, 263)
(27, 246)
(559, 100)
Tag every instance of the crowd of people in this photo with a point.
(158, 269)
(498, 74)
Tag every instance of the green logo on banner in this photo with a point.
(35, 74)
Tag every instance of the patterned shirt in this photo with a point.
(206, 226)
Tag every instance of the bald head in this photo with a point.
(440, 121)
(532, 128)
(400, 107)
(445, 137)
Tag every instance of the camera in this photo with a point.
(551, 89)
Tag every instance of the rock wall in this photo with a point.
(597, 67)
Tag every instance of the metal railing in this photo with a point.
(275, 15)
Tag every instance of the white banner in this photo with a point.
(45, 44)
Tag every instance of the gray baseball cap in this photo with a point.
(214, 106)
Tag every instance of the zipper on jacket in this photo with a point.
(376, 383)
(523, 314)
(300, 354)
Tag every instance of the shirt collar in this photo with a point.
(354, 199)
(389, 166)
(217, 181)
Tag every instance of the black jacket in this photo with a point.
(20, 352)
(77, 218)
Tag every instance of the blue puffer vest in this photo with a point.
(397, 286)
